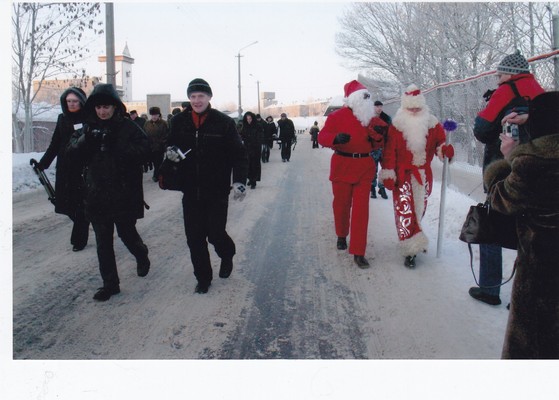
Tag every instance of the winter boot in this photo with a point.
(382, 192)
(480, 295)
(373, 193)
(342, 243)
(143, 263)
(105, 293)
(410, 262)
(361, 261)
(226, 267)
(202, 288)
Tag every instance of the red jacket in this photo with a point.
(363, 140)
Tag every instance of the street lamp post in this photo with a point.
(240, 109)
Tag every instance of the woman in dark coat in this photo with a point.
(252, 138)
(270, 131)
(526, 184)
(114, 149)
(69, 181)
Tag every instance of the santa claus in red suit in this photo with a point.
(414, 138)
(350, 131)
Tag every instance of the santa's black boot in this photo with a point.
(410, 262)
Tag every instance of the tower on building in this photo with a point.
(123, 70)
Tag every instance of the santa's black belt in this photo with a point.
(352, 155)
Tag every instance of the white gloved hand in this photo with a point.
(239, 191)
(174, 154)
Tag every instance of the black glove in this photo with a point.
(383, 130)
(342, 138)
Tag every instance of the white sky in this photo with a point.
(172, 43)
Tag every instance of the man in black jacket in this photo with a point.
(114, 149)
(212, 151)
(287, 136)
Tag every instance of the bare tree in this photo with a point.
(429, 43)
(47, 42)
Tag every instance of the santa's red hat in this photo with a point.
(353, 86)
(413, 98)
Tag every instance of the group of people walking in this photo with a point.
(102, 153)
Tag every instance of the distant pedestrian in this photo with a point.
(270, 131)
(69, 183)
(157, 131)
(140, 121)
(215, 155)
(252, 133)
(349, 132)
(286, 130)
(314, 134)
(414, 138)
(114, 149)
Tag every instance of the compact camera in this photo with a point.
(511, 130)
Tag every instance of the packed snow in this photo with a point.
(156, 324)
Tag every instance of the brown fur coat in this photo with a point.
(527, 185)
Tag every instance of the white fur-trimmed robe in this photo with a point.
(410, 148)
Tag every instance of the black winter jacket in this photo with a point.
(286, 130)
(113, 174)
(216, 151)
(68, 185)
(252, 134)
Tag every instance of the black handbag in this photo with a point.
(483, 225)
(168, 176)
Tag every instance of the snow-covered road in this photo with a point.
(292, 295)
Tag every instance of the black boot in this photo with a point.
(143, 263)
(361, 261)
(342, 243)
(382, 192)
(410, 262)
(480, 295)
(373, 193)
(226, 267)
(202, 288)
(105, 293)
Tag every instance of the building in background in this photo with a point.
(123, 70)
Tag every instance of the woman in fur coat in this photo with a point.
(526, 184)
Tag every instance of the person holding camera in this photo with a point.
(515, 85)
(209, 152)
(524, 184)
(114, 150)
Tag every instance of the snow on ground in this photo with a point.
(422, 314)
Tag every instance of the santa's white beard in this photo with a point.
(415, 128)
(363, 109)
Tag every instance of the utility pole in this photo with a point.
(555, 46)
(240, 109)
(110, 43)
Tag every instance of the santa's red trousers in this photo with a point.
(351, 212)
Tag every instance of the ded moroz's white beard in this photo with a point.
(415, 129)
(363, 109)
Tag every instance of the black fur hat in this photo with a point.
(154, 111)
